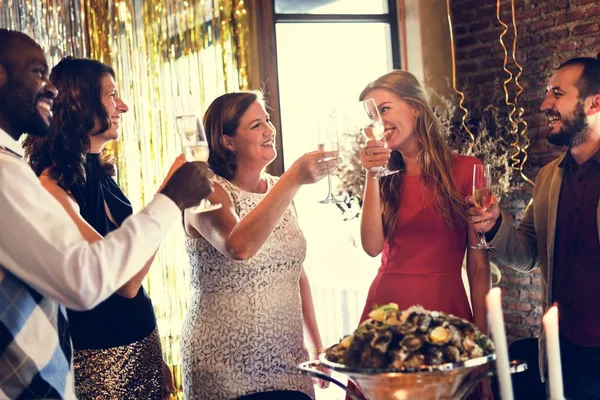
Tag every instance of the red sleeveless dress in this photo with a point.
(422, 260)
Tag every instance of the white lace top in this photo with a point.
(243, 331)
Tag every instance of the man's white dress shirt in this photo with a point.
(44, 263)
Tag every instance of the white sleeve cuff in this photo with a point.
(163, 210)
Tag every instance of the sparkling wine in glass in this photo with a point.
(374, 129)
(327, 141)
(195, 148)
(482, 197)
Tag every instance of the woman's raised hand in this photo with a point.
(314, 166)
(374, 155)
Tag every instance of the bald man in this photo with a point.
(45, 263)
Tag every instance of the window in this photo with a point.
(332, 7)
(327, 51)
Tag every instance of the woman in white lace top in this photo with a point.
(244, 329)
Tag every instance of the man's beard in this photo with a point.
(21, 107)
(574, 130)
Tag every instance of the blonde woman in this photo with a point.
(417, 218)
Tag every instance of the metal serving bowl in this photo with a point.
(446, 381)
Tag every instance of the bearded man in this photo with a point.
(560, 232)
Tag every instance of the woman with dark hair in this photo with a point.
(117, 349)
(243, 333)
(417, 218)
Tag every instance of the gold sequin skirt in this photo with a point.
(124, 372)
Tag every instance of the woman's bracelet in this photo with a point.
(369, 175)
(316, 350)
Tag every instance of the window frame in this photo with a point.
(267, 18)
(390, 18)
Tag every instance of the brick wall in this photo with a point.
(549, 32)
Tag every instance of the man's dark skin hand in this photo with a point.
(189, 184)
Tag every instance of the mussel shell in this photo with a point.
(371, 358)
(407, 327)
(411, 343)
(381, 341)
(451, 354)
(424, 322)
(360, 343)
(455, 337)
(486, 344)
(476, 352)
(434, 355)
(336, 354)
(398, 356)
(414, 361)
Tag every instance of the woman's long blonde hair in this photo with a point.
(435, 157)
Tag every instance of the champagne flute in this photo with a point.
(374, 129)
(195, 148)
(327, 140)
(482, 197)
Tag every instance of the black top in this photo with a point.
(117, 321)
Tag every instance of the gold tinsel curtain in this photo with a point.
(170, 56)
(57, 25)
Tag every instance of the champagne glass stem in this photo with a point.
(483, 196)
(482, 234)
(329, 194)
(483, 244)
(329, 198)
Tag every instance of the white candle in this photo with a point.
(550, 322)
(496, 320)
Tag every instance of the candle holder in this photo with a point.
(447, 381)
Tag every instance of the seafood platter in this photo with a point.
(410, 354)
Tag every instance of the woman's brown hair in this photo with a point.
(223, 118)
(76, 108)
(435, 157)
